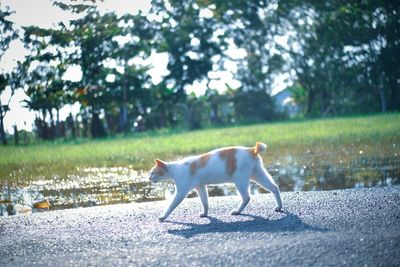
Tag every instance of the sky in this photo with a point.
(42, 13)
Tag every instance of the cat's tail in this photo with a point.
(259, 147)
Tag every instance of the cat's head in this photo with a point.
(159, 171)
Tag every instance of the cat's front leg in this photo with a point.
(179, 196)
(203, 194)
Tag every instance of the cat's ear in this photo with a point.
(160, 163)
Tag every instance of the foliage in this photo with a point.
(300, 96)
(340, 52)
(188, 39)
(252, 25)
(7, 34)
(256, 105)
(341, 58)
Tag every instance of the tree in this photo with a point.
(343, 53)
(131, 85)
(46, 91)
(97, 39)
(43, 70)
(3, 107)
(187, 37)
(299, 97)
(107, 48)
(252, 26)
(7, 34)
(254, 105)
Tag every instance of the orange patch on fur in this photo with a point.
(160, 168)
(160, 171)
(204, 159)
(253, 152)
(228, 154)
(193, 167)
(257, 148)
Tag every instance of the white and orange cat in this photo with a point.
(236, 165)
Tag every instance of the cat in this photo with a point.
(237, 165)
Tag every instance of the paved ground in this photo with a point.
(348, 227)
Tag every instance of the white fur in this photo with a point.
(215, 172)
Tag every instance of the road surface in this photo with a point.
(357, 227)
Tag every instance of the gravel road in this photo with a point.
(356, 227)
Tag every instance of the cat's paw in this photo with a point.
(202, 215)
(235, 212)
(278, 209)
(162, 218)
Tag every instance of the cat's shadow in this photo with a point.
(288, 223)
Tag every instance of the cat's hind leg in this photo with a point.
(203, 194)
(263, 178)
(242, 185)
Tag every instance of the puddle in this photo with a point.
(103, 186)
(328, 172)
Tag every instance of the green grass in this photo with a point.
(370, 134)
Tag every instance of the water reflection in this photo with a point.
(102, 186)
(93, 187)
(327, 172)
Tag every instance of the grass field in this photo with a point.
(367, 134)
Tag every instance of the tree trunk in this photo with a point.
(162, 123)
(58, 126)
(383, 99)
(382, 96)
(16, 135)
(123, 113)
(52, 125)
(2, 132)
(322, 106)
(123, 118)
(394, 104)
(310, 101)
(77, 127)
(85, 123)
(97, 127)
